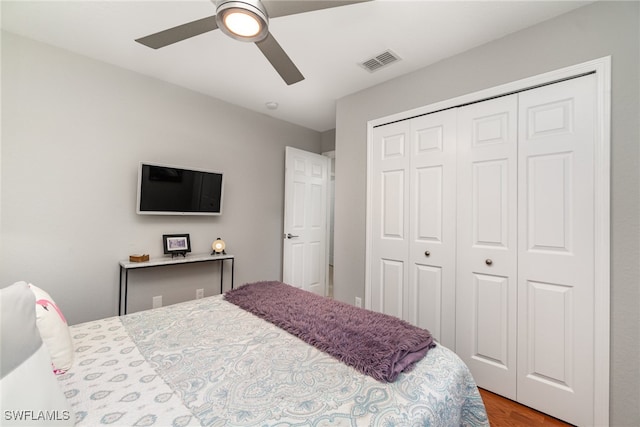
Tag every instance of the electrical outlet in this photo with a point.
(358, 302)
(157, 301)
(199, 293)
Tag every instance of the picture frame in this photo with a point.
(176, 244)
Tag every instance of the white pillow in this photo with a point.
(29, 392)
(53, 330)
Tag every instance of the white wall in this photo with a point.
(73, 132)
(594, 31)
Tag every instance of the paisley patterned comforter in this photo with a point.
(208, 362)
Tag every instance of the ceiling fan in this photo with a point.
(248, 20)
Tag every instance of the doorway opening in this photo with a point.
(331, 196)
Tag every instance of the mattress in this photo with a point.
(208, 362)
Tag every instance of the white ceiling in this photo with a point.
(326, 45)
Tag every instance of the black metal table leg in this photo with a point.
(233, 261)
(120, 293)
(126, 289)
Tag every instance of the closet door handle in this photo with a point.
(488, 261)
(427, 253)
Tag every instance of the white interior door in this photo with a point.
(526, 246)
(487, 242)
(431, 296)
(556, 249)
(305, 248)
(412, 255)
(390, 219)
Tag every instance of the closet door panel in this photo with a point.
(430, 300)
(427, 292)
(548, 306)
(487, 242)
(428, 191)
(392, 209)
(556, 249)
(491, 314)
(549, 188)
(390, 219)
(392, 273)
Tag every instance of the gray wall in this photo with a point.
(328, 140)
(594, 31)
(73, 133)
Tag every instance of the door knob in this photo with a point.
(291, 236)
(488, 261)
(427, 253)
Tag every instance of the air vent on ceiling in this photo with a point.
(381, 60)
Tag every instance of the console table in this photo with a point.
(125, 266)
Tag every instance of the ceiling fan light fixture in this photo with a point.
(242, 24)
(245, 20)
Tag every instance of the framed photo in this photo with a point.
(176, 243)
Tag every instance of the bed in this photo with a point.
(209, 362)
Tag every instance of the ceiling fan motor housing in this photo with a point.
(253, 8)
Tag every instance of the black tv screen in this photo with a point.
(170, 190)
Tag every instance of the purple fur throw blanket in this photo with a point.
(375, 344)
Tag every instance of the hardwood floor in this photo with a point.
(507, 413)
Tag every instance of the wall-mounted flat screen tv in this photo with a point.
(172, 190)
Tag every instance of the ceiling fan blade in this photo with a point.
(276, 8)
(179, 33)
(278, 58)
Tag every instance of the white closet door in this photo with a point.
(390, 218)
(487, 242)
(431, 291)
(556, 249)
